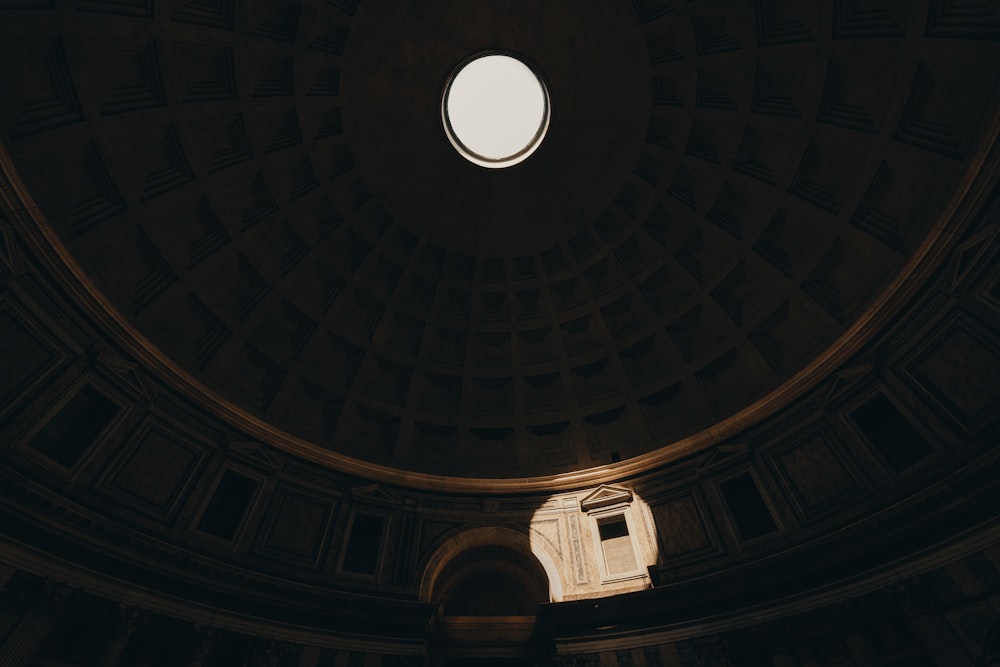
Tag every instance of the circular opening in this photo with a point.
(495, 110)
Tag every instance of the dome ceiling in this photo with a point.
(265, 192)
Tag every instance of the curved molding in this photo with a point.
(41, 564)
(978, 180)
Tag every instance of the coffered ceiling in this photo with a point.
(263, 193)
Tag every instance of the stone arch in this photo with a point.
(456, 544)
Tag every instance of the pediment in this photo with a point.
(128, 373)
(374, 493)
(721, 456)
(969, 256)
(253, 453)
(845, 379)
(604, 496)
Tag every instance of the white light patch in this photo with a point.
(495, 111)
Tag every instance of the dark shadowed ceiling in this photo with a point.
(264, 192)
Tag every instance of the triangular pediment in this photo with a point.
(374, 493)
(969, 256)
(843, 380)
(129, 374)
(253, 453)
(605, 495)
(721, 455)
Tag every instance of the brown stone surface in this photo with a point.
(268, 197)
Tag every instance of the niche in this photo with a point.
(75, 427)
(488, 597)
(225, 512)
(746, 505)
(492, 581)
(364, 545)
(894, 438)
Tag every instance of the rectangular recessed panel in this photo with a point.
(75, 427)
(680, 526)
(228, 507)
(892, 435)
(299, 525)
(816, 475)
(961, 371)
(157, 469)
(747, 507)
(364, 544)
(619, 555)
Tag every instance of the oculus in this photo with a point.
(495, 110)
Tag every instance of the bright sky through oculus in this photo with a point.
(496, 111)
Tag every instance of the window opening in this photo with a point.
(228, 506)
(364, 545)
(747, 507)
(616, 543)
(892, 435)
(75, 427)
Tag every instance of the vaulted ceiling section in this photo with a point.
(261, 199)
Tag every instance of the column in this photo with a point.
(775, 636)
(704, 650)
(6, 572)
(309, 656)
(849, 619)
(41, 611)
(125, 621)
(204, 638)
(263, 652)
(915, 601)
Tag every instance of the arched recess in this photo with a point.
(453, 546)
